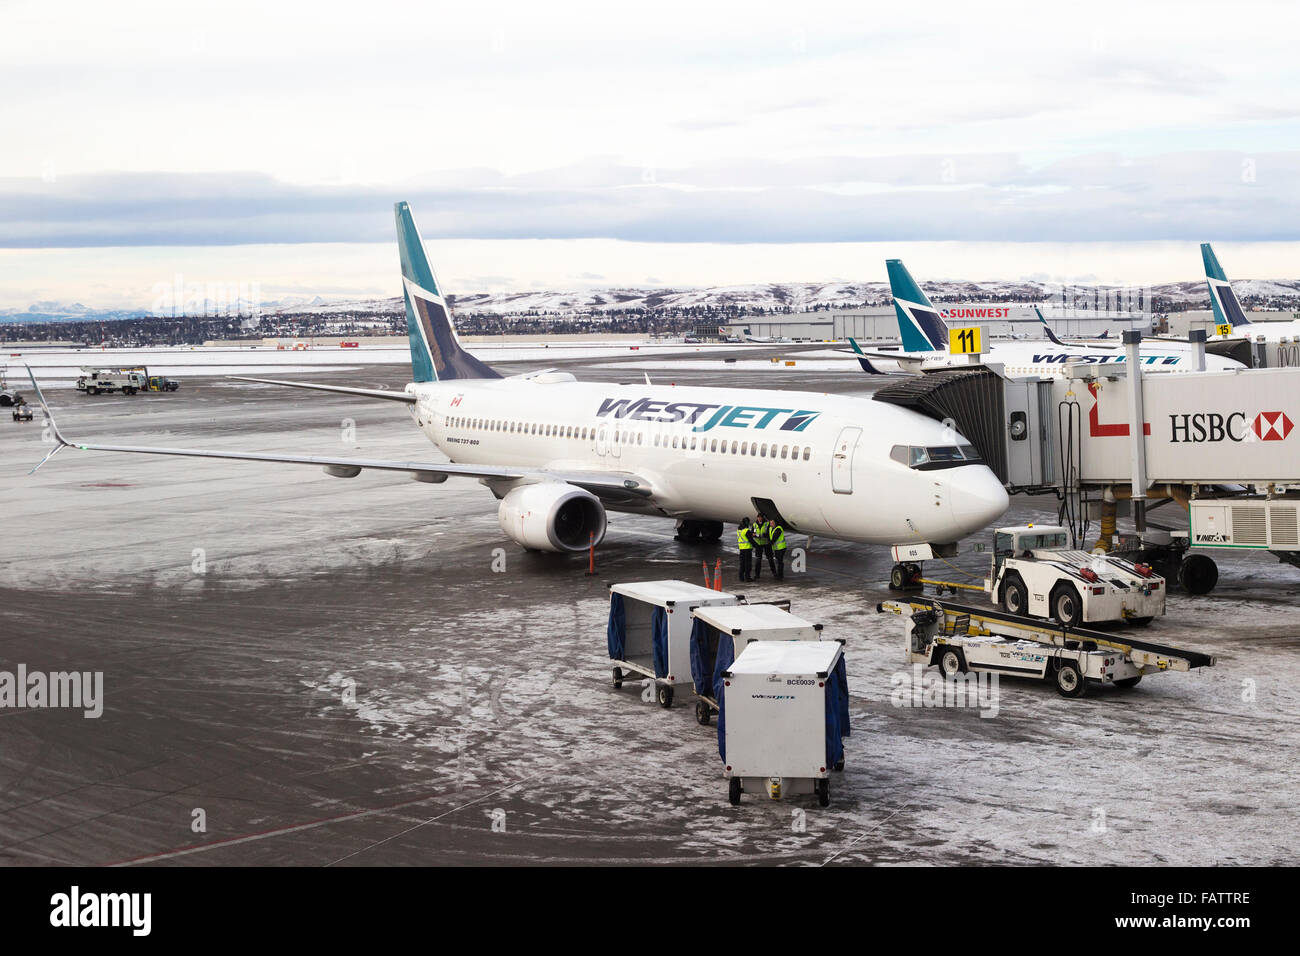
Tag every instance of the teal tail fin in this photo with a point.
(1227, 310)
(436, 353)
(919, 323)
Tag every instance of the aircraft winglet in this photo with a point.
(59, 441)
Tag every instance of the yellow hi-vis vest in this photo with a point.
(742, 539)
(778, 538)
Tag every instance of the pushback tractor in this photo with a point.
(1034, 572)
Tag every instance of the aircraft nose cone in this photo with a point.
(977, 497)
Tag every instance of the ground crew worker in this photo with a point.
(746, 545)
(758, 534)
(776, 535)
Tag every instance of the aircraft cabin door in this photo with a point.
(602, 439)
(842, 461)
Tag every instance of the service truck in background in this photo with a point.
(128, 381)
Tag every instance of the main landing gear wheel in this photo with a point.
(733, 791)
(823, 792)
(1069, 681)
(694, 532)
(665, 695)
(701, 713)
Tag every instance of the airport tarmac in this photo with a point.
(335, 672)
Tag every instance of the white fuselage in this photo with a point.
(823, 460)
(1047, 358)
(1262, 331)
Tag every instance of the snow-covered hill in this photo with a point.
(796, 296)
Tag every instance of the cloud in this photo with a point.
(1096, 197)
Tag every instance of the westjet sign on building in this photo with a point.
(1235, 427)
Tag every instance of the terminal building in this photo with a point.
(880, 324)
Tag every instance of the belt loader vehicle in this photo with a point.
(961, 638)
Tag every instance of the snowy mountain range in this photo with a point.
(797, 296)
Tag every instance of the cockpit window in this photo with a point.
(945, 453)
(931, 457)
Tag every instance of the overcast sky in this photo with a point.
(566, 145)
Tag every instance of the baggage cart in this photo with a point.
(782, 716)
(649, 631)
(720, 633)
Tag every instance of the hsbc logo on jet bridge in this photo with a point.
(704, 417)
(1201, 427)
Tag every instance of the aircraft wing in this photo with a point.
(343, 389)
(612, 486)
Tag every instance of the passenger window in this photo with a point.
(784, 449)
(807, 453)
(674, 441)
(714, 445)
(693, 440)
(639, 437)
(733, 447)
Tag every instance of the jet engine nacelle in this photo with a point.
(552, 516)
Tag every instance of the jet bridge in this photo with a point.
(1224, 446)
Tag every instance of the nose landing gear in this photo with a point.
(905, 576)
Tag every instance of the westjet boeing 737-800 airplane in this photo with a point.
(925, 343)
(558, 453)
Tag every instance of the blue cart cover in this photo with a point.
(842, 681)
(616, 634)
(659, 640)
(704, 650)
(712, 652)
(836, 704)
